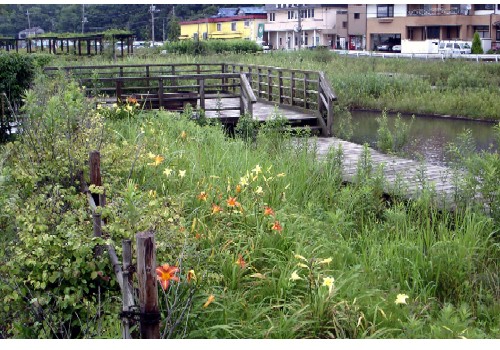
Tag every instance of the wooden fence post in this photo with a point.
(127, 261)
(95, 173)
(292, 88)
(148, 291)
(202, 93)
(97, 228)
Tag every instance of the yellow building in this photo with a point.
(241, 25)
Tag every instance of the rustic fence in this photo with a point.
(147, 311)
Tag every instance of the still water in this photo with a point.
(429, 136)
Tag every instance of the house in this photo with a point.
(294, 26)
(229, 23)
(27, 33)
(414, 26)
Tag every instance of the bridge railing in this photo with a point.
(296, 88)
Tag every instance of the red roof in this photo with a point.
(225, 19)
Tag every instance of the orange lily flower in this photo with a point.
(241, 262)
(216, 209)
(131, 100)
(277, 226)
(268, 211)
(158, 160)
(238, 188)
(203, 196)
(191, 276)
(165, 273)
(209, 301)
(231, 202)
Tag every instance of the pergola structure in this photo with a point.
(94, 44)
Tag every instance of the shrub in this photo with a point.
(477, 48)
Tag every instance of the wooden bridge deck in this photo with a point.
(402, 176)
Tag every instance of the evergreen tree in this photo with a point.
(476, 49)
(173, 28)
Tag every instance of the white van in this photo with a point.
(454, 48)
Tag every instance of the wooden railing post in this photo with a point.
(160, 93)
(224, 80)
(97, 228)
(201, 92)
(119, 85)
(259, 82)
(147, 75)
(306, 77)
(148, 291)
(269, 85)
(292, 88)
(280, 86)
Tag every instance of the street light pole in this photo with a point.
(299, 27)
(153, 10)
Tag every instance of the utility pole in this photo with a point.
(163, 20)
(29, 23)
(153, 10)
(84, 19)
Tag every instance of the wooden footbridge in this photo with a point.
(224, 91)
(227, 91)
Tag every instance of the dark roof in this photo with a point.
(239, 11)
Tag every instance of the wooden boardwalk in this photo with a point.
(401, 176)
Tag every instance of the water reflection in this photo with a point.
(429, 136)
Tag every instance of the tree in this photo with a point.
(173, 28)
(476, 49)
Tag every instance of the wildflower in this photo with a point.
(115, 105)
(259, 190)
(231, 202)
(295, 276)
(151, 155)
(165, 273)
(167, 171)
(118, 110)
(268, 211)
(257, 169)
(240, 262)
(182, 173)
(401, 299)
(129, 108)
(277, 226)
(297, 256)
(302, 265)
(328, 282)
(203, 196)
(238, 188)
(325, 261)
(191, 276)
(157, 160)
(209, 301)
(216, 209)
(183, 135)
(131, 100)
(136, 105)
(258, 275)
(280, 175)
(99, 107)
(244, 181)
(152, 193)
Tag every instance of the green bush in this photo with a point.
(477, 48)
(198, 47)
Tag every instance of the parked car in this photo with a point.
(396, 48)
(454, 48)
(385, 46)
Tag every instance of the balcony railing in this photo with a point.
(436, 12)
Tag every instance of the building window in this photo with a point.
(385, 11)
(272, 17)
(290, 14)
(281, 42)
(498, 33)
(483, 31)
(247, 23)
(233, 26)
(432, 33)
(219, 27)
(479, 7)
(344, 25)
(356, 15)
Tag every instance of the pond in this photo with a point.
(429, 136)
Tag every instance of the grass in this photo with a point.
(334, 269)
(451, 87)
